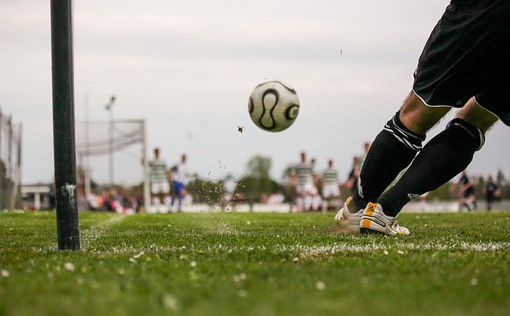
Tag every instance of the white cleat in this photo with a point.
(375, 221)
(346, 221)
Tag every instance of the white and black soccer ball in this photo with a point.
(273, 106)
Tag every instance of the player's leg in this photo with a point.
(445, 156)
(316, 199)
(179, 202)
(451, 69)
(154, 197)
(180, 196)
(308, 197)
(396, 146)
(301, 203)
(164, 196)
(300, 199)
(330, 194)
(173, 195)
(391, 151)
(335, 201)
(326, 198)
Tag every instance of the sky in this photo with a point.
(188, 68)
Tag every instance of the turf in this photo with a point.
(255, 264)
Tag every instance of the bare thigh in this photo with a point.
(418, 117)
(473, 113)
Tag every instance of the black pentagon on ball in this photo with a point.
(274, 93)
(292, 112)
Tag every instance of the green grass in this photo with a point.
(255, 264)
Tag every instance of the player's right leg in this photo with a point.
(391, 151)
(396, 146)
(445, 156)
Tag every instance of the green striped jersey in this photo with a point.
(304, 174)
(330, 176)
(157, 171)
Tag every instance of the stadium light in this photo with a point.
(63, 125)
(109, 107)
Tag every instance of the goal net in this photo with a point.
(111, 157)
(10, 162)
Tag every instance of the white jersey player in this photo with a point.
(331, 184)
(158, 179)
(303, 180)
(179, 181)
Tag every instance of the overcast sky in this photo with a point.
(188, 67)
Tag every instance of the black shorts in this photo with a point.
(469, 192)
(468, 55)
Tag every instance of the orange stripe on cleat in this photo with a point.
(365, 223)
(370, 209)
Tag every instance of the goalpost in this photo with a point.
(63, 125)
(64, 142)
(10, 161)
(103, 139)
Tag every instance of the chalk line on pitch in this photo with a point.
(313, 250)
(99, 230)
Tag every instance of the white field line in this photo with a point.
(97, 231)
(317, 250)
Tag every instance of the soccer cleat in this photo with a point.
(346, 221)
(374, 220)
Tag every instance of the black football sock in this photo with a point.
(445, 156)
(392, 150)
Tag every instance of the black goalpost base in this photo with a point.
(63, 125)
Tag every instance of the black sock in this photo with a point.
(445, 156)
(392, 150)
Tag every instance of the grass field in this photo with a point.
(255, 264)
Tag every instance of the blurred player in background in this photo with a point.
(464, 64)
(357, 201)
(159, 183)
(492, 193)
(330, 187)
(366, 148)
(351, 183)
(467, 196)
(302, 179)
(179, 178)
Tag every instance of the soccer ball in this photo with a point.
(273, 106)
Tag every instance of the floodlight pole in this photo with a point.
(87, 187)
(1, 132)
(146, 180)
(109, 108)
(63, 125)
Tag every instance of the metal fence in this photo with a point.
(10, 162)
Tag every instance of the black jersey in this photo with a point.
(469, 188)
(490, 190)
